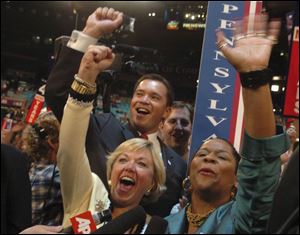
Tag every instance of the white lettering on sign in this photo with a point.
(83, 225)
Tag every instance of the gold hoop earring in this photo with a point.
(233, 192)
(147, 193)
(186, 184)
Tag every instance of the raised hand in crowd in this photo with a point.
(152, 98)
(223, 189)
(94, 61)
(103, 21)
(251, 53)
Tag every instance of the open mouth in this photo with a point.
(127, 181)
(142, 111)
(178, 135)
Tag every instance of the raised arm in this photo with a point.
(259, 170)
(101, 21)
(81, 190)
(251, 53)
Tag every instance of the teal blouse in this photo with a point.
(258, 177)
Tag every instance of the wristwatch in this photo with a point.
(82, 89)
(255, 79)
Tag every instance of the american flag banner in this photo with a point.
(219, 106)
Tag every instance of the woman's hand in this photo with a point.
(95, 60)
(252, 43)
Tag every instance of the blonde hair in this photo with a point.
(36, 144)
(159, 176)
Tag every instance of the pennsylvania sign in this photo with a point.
(219, 108)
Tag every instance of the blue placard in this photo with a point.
(217, 99)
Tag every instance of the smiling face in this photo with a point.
(177, 128)
(148, 105)
(131, 176)
(213, 168)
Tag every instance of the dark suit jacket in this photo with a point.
(15, 191)
(284, 216)
(105, 133)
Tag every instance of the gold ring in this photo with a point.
(261, 34)
(273, 39)
(250, 35)
(239, 37)
(220, 46)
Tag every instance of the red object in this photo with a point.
(291, 105)
(83, 223)
(7, 124)
(144, 136)
(35, 108)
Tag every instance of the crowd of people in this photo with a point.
(78, 161)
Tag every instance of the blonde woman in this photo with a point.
(135, 170)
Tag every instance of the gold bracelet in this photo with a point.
(85, 83)
(82, 89)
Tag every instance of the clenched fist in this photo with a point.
(95, 60)
(103, 21)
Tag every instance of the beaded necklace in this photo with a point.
(196, 219)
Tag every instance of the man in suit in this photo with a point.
(176, 129)
(15, 191)
(151, 101)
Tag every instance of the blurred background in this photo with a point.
(167, 39)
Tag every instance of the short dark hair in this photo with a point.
(181, 105)
(157, 77)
